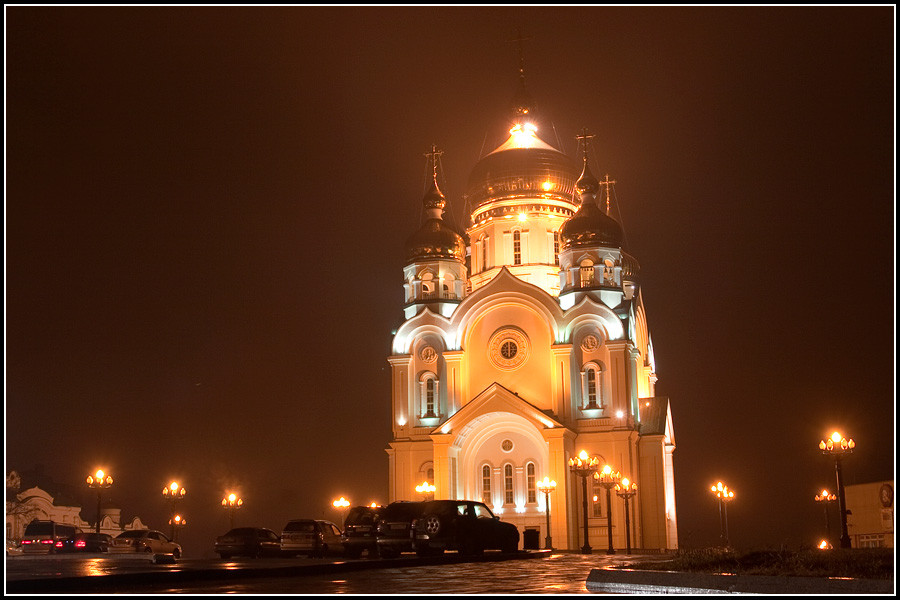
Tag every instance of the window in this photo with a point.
(591, 397)
(486, 484)
(508, 484)
(517, 247)
(587, 274)
(592, 387)
(429, 398)
(597, 498)
(532, 489)
(556, 247)
(484, 253)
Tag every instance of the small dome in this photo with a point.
(589, 226)
(435, 239)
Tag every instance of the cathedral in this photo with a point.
(525, 344)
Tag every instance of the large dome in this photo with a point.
(590, 227)
(510, 172)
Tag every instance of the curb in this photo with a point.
(632, 581)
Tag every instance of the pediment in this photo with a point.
(497, 399)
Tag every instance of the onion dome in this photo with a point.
(589, 226)
(435, 239)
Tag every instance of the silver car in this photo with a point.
(313, 537)
(144, 540)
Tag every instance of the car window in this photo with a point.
(130, 534)
(482, 511)
(271, 535)
(302, 526)
(334, 529)
(39, 528)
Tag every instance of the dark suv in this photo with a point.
(466, 526)
(359, 531)
(393, 534)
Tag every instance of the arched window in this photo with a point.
(556, 247)
(484, 253)
(531, 483)
(517, 247)
(486, 484)
(587, 273)
(597, 492)
(508, 496)
(592, 387)
(429, 396)
(609, 276)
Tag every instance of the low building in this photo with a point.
(870, 514)
(32, 495)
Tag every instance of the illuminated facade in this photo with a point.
(526, 342)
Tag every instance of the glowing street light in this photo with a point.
(626, 490)
(231, 502)
(546, 486)
(724, 495)
(177, 522)
(837, 446)
(341, 504)
(99, 481)
(608, 479)
(584, 466)
(176, 493)
(427, 490)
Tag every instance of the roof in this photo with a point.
(654, 414)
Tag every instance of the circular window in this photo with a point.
(506, 445)
(508, 348)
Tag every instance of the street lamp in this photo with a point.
(825, 499)
(232, 503)
(584, 466)
(837, 446)
(99, 481)
(608, 479)
(724, 495)
(341, 505)
(176, 493)
(626, 490)
(427, 490)
(177, 522)
(545, 487)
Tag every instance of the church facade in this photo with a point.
(525, 343)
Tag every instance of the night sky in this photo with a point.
(206, 210)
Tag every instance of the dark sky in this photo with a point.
(206, 209)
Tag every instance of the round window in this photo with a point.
(508, 348)
(506, 445)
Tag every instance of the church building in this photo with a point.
(525, 344)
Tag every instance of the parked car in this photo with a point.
(248, 541)
(313, 537)
(393, 533)
(145, 540)
(92, 542)
(48, 537)
(359, 531)
(13, 548)
(466, 526)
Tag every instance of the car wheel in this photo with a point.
(148, 549)
(432, 524)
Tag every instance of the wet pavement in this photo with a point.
(525, 573)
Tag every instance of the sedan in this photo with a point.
(248, 541)
(145, 540)
(92, 542)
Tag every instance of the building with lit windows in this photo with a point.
(525, 342)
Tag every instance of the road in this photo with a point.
(494, 573)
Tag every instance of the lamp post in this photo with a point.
(176, 493)
(232, 503)
(837, 446)
(427, 490)
(825, 499)
(341, 504)
(545, 487)
(177, 522)
(626, 490)
(608, 479)
(724, 495)
(584, 466)
(99, 481)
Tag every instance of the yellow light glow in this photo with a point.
(523, 135)
(547, 186)
(522, 217)
(625, 482)
(100, 474)
(173, 486)
(836, 437)
(341, 503)
(620, 414)
(231, 498)
(607, 469)
(583, 455)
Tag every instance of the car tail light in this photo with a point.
(46, 541)
(58, 544)
(26, 542)
(79, 544)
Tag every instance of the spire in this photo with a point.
(522, 104)
(434, 200)
(587, 185)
